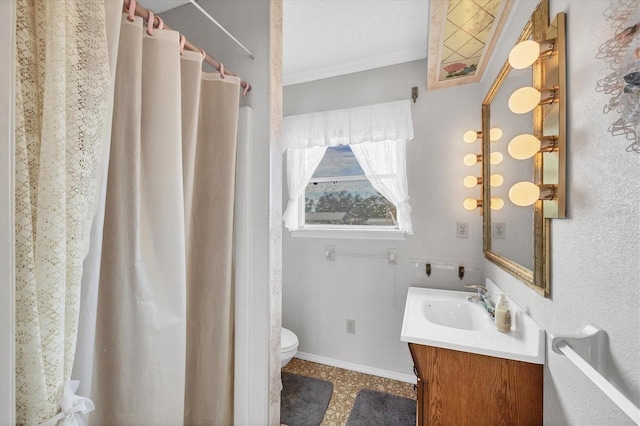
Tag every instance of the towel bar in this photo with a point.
(585, 348)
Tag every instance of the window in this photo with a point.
(346, 170)
(339, 194)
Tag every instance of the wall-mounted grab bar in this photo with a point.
(585, 348)
(330, 253)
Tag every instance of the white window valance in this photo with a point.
(389, 121)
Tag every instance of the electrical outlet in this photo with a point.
(462, 229)
(330, 252)
(392, 256)
(498, 230)
(351, 326)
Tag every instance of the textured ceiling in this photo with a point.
(325, 38)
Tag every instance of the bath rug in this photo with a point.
(373, 408)
(304, 400)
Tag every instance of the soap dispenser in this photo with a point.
(503, 315)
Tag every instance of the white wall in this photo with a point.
(595, 250)
(248, 21)
(319, 295)
(7, 240)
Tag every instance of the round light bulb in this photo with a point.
(470, 181)
(496, 158)
(495, 134)
(496, 180)
(523, 146)
(470, 159)
(470, 136)
(524, 54)
(470, 203)
(497, 203)
(524, 193)
(524, 99)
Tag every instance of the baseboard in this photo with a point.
(407, 378)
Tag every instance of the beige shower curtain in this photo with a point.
(164, 335)
(210, 296)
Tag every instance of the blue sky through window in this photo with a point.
(338, 161)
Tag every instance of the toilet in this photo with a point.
(288, 346)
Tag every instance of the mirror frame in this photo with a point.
(538, 279)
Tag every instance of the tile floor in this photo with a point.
(346, 385)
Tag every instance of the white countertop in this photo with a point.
(525, 342)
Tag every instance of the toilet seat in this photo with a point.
(288, 340)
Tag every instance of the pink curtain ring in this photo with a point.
(131, 10)
(221, 70)
(204, 54)
(160, 22)
(150, 19)
(183, 40)
(246, 89)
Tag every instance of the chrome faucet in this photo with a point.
(483, 299)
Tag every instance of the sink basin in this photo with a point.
(446, 319)
(455, 313)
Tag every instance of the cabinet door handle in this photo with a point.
(415, 371)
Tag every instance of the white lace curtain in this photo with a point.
(62, 99)
(377, 135)
(301, 163)
(384, 164)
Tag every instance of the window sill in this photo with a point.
(349, 234)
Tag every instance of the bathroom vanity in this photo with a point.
(468, 372)
(457, 388)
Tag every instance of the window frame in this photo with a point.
(370, 232)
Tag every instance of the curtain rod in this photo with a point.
(205, 13)
(144, 14)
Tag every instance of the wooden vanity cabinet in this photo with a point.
(461, 388)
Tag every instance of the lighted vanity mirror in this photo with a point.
(511, 225)
(517, 238)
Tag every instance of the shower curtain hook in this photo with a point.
(132, 10)
(221, 70)
(204, 54)
(183, 40)
(246, 89)
(160, 22)
(150, 20)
